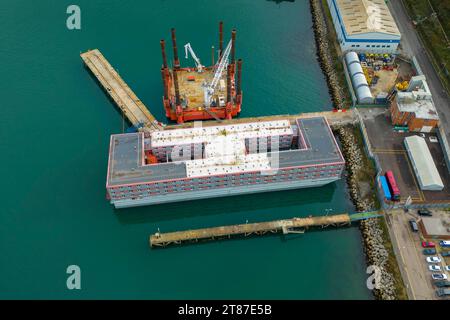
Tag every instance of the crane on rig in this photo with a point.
(221, 65)
(188, 49)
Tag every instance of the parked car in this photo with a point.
(445, 253)
(443, 292)
(442, 283)
(428, 244)
(433, 259)
(413, 225)
(428, 252)
(425, 212)
(434, 268)
(445, 243)
(439, 276)
(433, 139)
(447, 268)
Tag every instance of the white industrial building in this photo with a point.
(359, 81)
(364, 26)
(415, 107)
(423, 164)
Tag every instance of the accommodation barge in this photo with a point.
(224, 160)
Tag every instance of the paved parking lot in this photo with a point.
(412, 261)
(388, 145)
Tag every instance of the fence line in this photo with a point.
(416, 65)
(349, 82)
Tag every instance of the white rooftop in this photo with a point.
(224, 146)
(423, 164)
(423, 109)
(418, 86)
(206, 134)
(227, 165)
(417, 99)
(364, 16)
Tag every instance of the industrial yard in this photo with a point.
(389, 147)
(401, 127)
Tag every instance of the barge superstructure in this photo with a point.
(202, 92)
(203, 162)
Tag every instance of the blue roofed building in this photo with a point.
(364, 26)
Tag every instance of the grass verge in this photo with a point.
(434, 30)
(392, 265)
(368, 172)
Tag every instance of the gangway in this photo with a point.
(365, 215)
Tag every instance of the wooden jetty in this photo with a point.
(294, 225)
(120, 92)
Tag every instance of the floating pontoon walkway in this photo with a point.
(294, 225)
(125, 98)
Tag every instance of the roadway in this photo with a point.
(412, 45)
(406, 244)
(411, 261)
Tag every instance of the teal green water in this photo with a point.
(55, 124)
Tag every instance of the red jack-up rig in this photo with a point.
(202, 93)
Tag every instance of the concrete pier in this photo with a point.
(133, 108)
(294, 225)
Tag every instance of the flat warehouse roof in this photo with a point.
(435, 226)
(366, 16)
(423, 109)
(126, 157)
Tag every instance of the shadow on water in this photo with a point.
(232, 204)
(108, 96)
(280, 1)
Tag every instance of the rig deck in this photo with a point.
(192, 85)
(294, 225)
(133, 108)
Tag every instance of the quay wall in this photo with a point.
(372, 234)
(323, 54)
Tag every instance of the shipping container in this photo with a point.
(385, 187)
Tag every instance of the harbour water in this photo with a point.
(55, 125)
